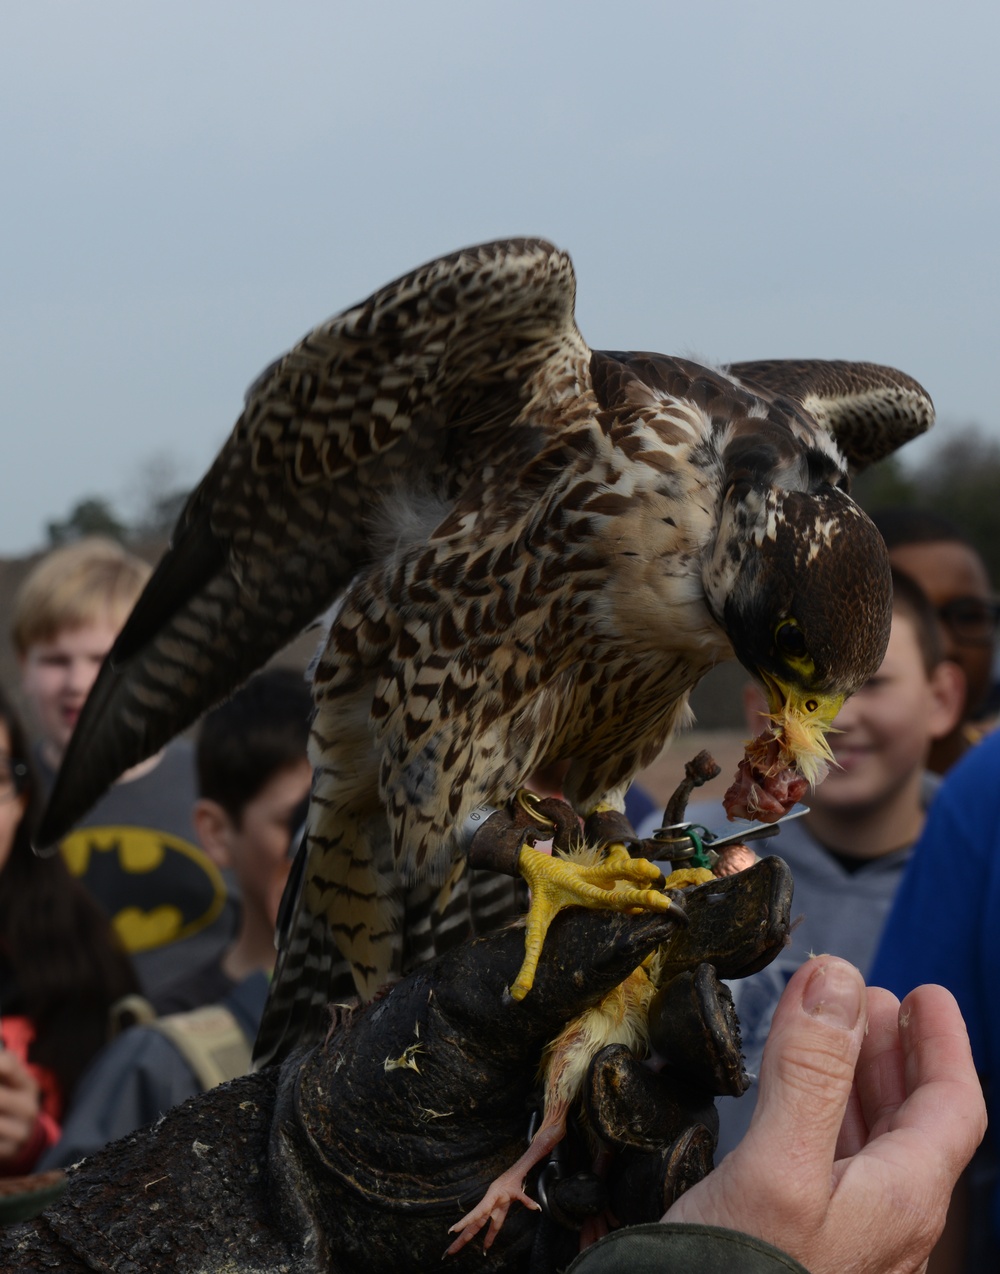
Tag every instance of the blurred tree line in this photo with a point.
(157, 499)
(959, 477)
(97, 516)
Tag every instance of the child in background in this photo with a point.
(254, 780)
(942, 560)
(136, 851)
(61, 970)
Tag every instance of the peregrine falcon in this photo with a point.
(531, 551)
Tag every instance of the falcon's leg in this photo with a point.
(616, 881)
(508, 1188)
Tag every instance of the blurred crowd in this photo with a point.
(134, 960)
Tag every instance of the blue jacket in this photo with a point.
(944, 925)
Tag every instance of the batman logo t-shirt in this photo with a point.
(137, 854)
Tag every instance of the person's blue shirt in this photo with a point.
(944, 925)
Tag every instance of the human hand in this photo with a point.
(19, 1103)
(859, 1134)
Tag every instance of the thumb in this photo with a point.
(808, 1066)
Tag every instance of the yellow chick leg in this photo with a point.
(685, 876)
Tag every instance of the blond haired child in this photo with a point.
(136, 851)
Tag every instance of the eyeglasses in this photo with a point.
(972, 621)
(13, 775)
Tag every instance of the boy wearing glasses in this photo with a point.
(939, 557)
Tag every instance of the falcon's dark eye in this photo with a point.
(790, 640)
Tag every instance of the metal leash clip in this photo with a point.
(692, 845)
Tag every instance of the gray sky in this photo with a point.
(188, 187)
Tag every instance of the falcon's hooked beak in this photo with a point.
(788, 757)
(801, 720)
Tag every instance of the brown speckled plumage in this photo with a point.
(543, 548)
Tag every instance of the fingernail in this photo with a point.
(833, 993)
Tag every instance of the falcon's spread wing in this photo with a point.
(421, 384)
(540, 549)
(868, 413)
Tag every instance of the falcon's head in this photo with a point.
(807, 610)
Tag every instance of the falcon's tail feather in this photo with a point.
(311, 973)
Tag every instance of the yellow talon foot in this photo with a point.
(616, 882)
